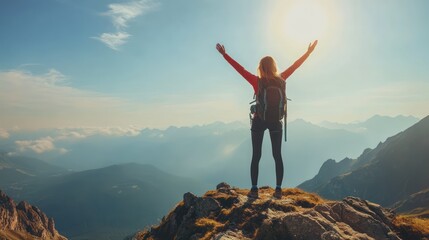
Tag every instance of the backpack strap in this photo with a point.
(263, 84)
(281, 104)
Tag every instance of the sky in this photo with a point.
(153, 63)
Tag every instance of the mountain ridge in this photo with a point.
(415, 205)
(392, 171)
(373, 122)
(24, 221)
(227, 213)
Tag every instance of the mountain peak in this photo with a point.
(301, 121)
(228, 213)
(24, 221)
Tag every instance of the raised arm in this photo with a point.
(298, 62)
(252, 79)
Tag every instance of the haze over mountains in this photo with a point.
(117, 198)
(18, 169)
(205, 151)
(105, 203)
(394, 174)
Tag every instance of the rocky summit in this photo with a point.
(228, 214)
(24, 221)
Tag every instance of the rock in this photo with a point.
(223, 185)
(231, 215)
(205, 206)
(230, 235)
(189, 199)
(224, 188)
(25, 220)
(357, 213)
(8, 213)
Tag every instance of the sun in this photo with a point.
(305, 21)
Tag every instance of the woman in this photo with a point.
(267, 69)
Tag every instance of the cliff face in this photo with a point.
(24, 221)
(228, 214)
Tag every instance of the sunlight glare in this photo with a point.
(305, 21)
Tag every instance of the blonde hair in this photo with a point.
(268, 68)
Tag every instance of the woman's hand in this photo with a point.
(311, 47)
(220, 48)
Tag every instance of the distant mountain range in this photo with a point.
(19, 171)
(26, 166)
(376, 125)
(307, 142)
(106, 203)
(395, 173)
(207, 152)
(116, 198)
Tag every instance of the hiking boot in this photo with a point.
(253, 193)
(278, 193)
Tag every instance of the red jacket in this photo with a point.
(253, 79)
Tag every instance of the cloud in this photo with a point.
(4, 133)
(41, 145)
(45, 100)
(80, 133)
(121, 14)
(34, 101)
(45, 144)
(62, 151)
(70, 134)
(113, 40)
(119, 131)
(59, 137)
(21, 88)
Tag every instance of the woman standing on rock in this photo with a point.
(266, 84)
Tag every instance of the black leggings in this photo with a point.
(258, 128)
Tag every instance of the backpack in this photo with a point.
(271, 99)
